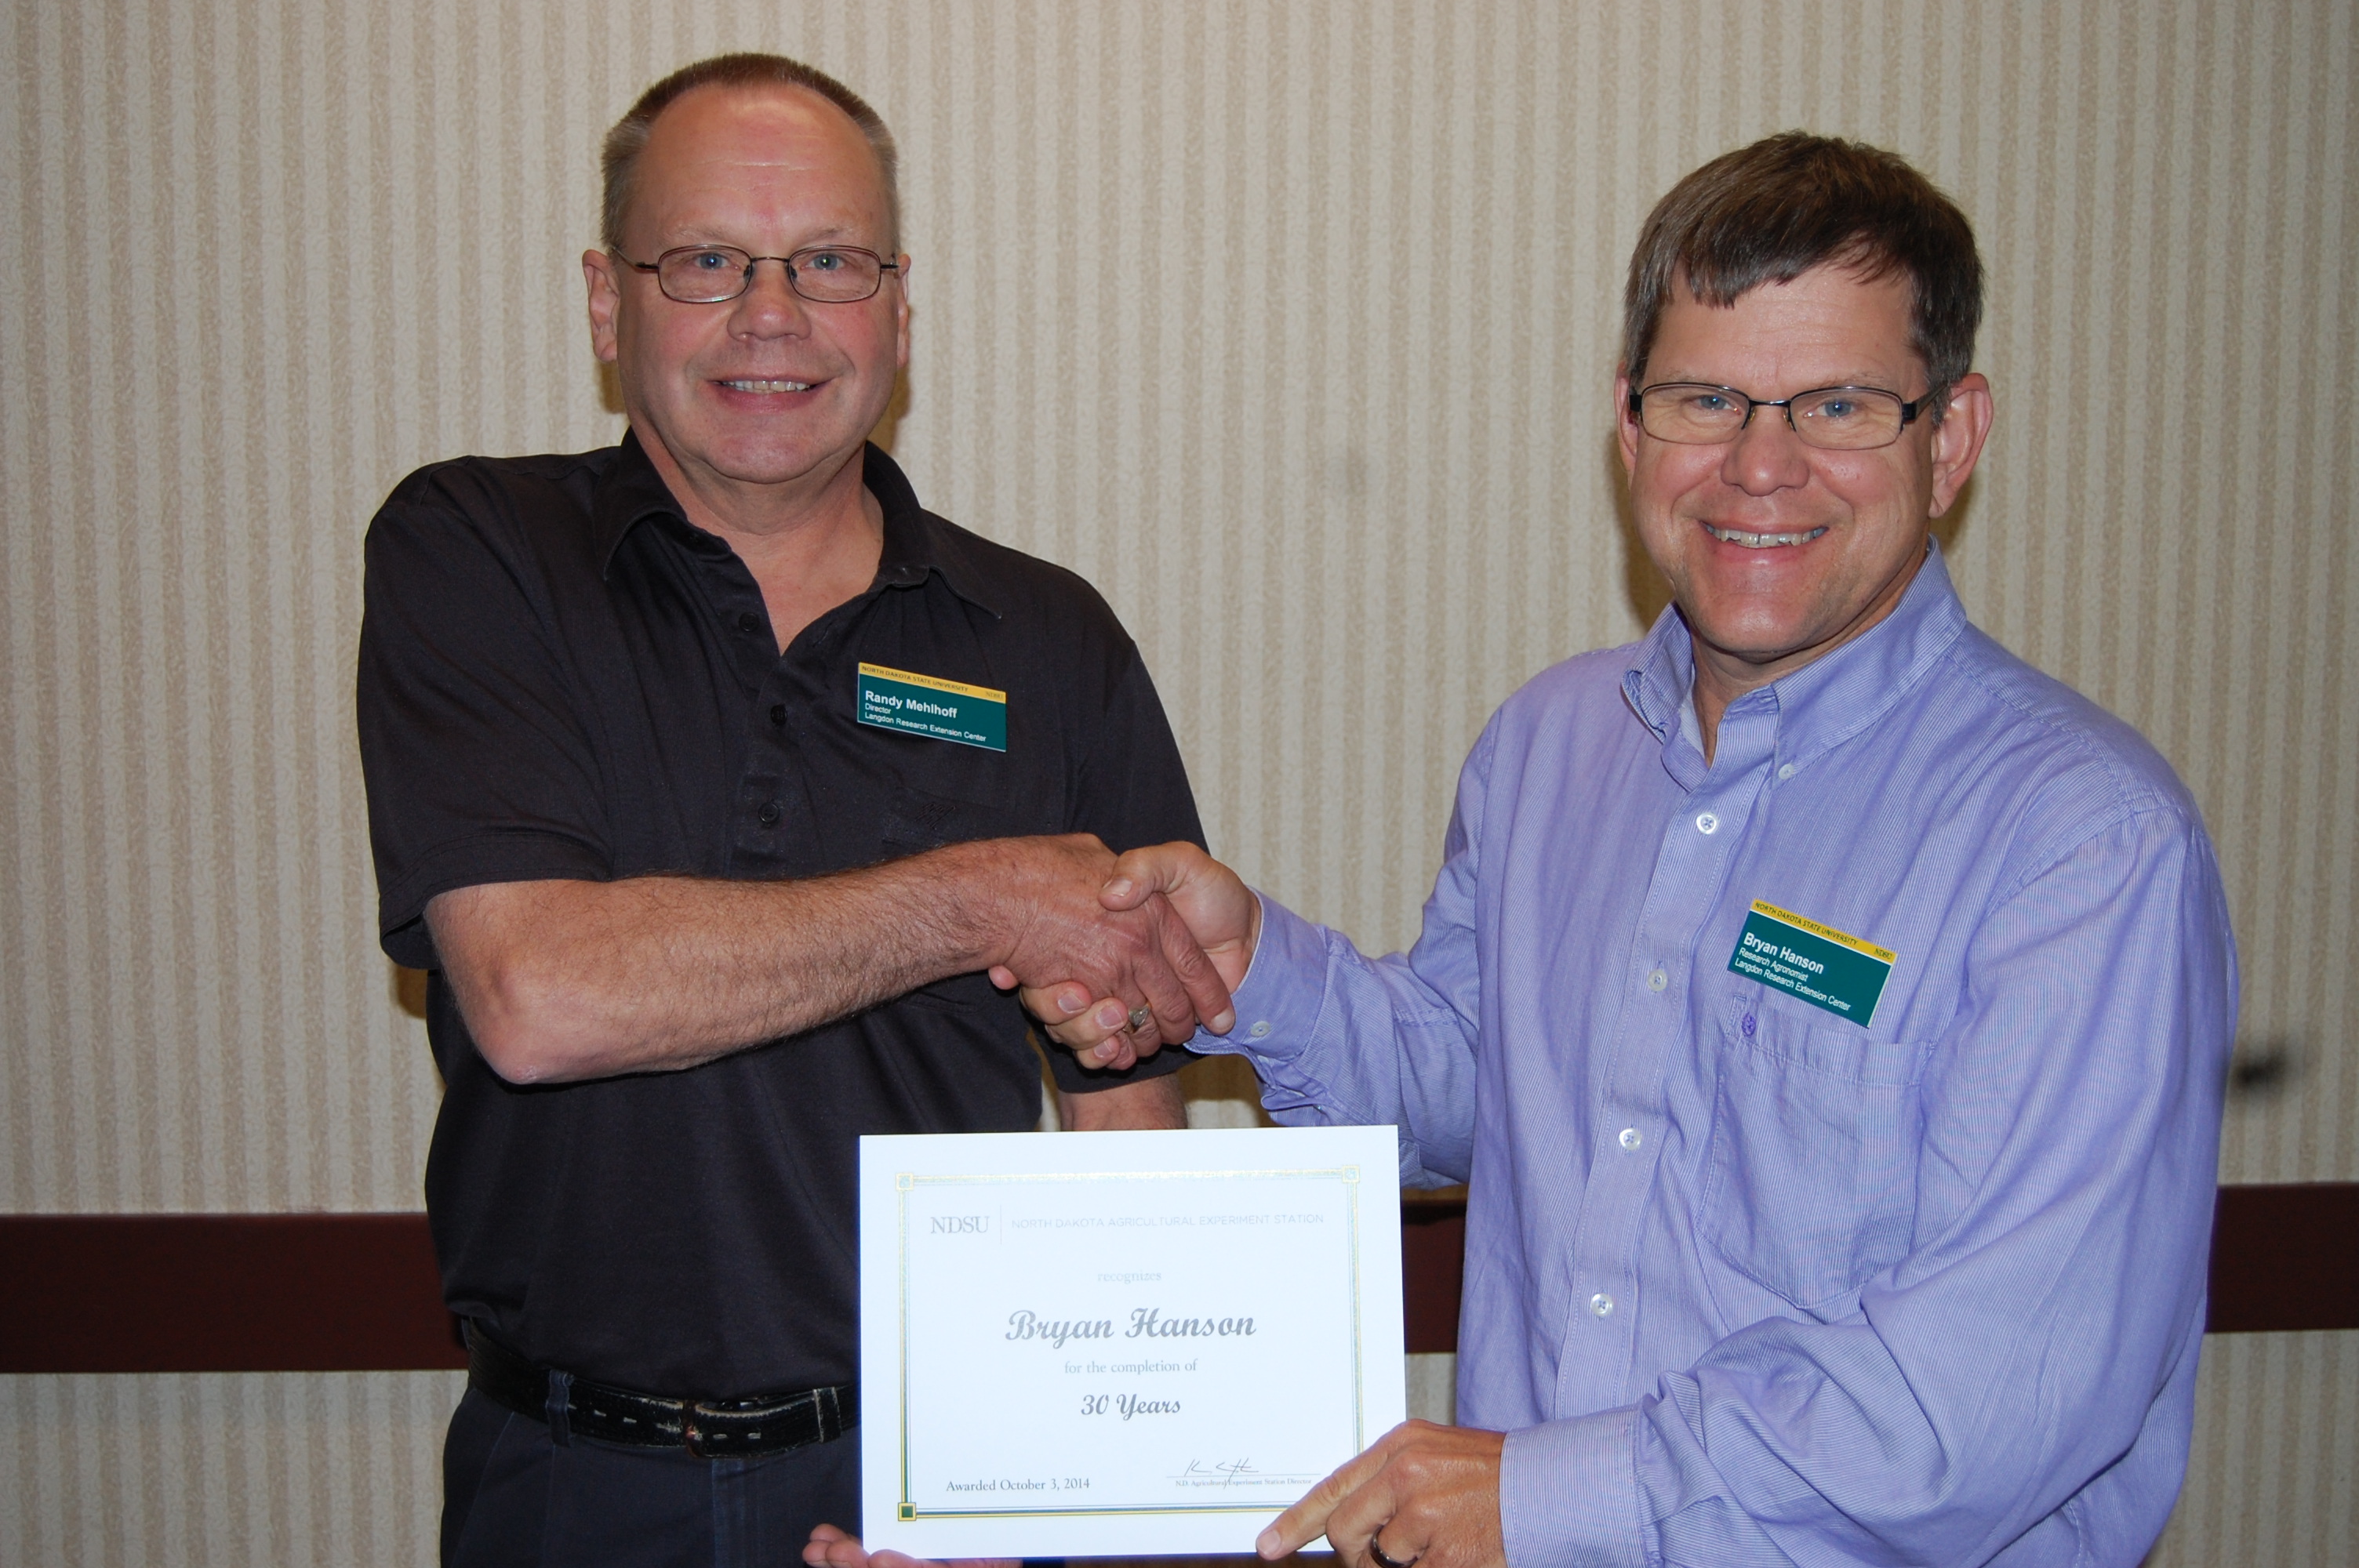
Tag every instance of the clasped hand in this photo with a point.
(1218, 922)
(1056, 933)
(1423, 1493)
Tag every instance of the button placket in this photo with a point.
(1690, 865)
(773, 833)
(765, 782)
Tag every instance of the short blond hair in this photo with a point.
(628, 139)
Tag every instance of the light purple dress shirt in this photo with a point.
(1746, 1281)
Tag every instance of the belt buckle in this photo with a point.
(692, 1435)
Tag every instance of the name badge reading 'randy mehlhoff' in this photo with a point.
(930, 706)
(1826, 968)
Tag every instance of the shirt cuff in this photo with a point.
(1569, 1493)
(1283, 989)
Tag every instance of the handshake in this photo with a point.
(1120, 956)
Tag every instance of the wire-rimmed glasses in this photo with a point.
(1840, 418)
(711, 275)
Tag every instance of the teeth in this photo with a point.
(767, 386)
(1761, 540)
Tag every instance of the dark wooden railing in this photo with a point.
(330, 1293)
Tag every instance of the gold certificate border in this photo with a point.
(907, 1182)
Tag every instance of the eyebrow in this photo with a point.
(1872, 379)
(836, 233)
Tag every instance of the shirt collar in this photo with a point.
(917, 542)
(628, 492)
(1827, 700)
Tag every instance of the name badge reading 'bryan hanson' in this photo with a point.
(1826, 968)
(930, 706)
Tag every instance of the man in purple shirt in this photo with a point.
(1828, 1011)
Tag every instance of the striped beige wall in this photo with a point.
(2274, 1478)
(209, 1470)
(1315, 388)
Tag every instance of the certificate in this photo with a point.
(1120, 1343)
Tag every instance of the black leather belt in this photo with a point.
(709, 1429)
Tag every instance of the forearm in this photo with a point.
(1336, 1038)
(562, 980)
(1340, 1038)
(1151, 1103)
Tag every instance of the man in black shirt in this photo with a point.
(708, 776)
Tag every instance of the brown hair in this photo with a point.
(1770, 213)
(628, 139)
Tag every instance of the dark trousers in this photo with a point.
(512, 1495)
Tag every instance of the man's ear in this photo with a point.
(605, 299)
(1625, 427)
(901, 314)
(1958, 438)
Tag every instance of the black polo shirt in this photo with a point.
(560, 677)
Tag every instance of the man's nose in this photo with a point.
(1766, 455)
(771, 308)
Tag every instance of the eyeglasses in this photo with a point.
(1839, 418)
(708, 275)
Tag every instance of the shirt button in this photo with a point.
(1260, 1030)
(749, 623)
(1658, 980)
(1786, 772)
(1602, 1305)
(778, 714)
(768, 815)
(1707, 823)
(1630, 1139)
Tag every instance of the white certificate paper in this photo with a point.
(1120, 1343)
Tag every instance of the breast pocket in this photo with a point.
(916, 821)
(1813, 1163)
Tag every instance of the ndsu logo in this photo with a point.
(962, 1224)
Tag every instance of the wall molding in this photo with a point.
(222, 1292)
(338, 1292)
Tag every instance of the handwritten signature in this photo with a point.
(1224, 1472)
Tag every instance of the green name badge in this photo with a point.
(1824, 967)
(930, 706)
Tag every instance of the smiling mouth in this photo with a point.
(1761, 540)
(767, 386)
